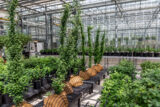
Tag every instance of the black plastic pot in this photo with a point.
(49, 79)
(150, 54)
(30, 92)
(105, 54)
(1, 99)
(156, 54)
(45, 85)
(37, 84)
(129, 53)
(6, 100)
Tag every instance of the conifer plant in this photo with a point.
(90, 46)
(15, 80)
(102, 49)
(97, 47)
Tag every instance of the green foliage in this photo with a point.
(102, 48)
(119, 90)
(24, 39)
(57, 85)
(2, 41)
(63, 26)
(58, 82)
(15, 82)
(1, 87)
(83, 47)
(97, 47)
(145, 92)
(149, 65)
(90, 45)
(115, 90)
(50, 62)
(124, 67)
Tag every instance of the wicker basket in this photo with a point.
(91, 72)
(84, 75)
(68, 88)
(56, 101)
(63, 93)
(100, 67)
(76, 81)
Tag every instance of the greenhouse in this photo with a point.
(79, 53)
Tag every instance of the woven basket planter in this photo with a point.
(76, 81)
(98, 67)
(68, 88)
(84, 75)
(56, 101)
(91, 72)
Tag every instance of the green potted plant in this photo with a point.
(90, 45)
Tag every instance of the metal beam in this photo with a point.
(154, 16)
(86, 6)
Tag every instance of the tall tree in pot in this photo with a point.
(15, 80)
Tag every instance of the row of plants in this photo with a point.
(113, 51)
(122, 90)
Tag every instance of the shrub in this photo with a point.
(50, 62)
(149, 65)
(145, 92)
(124, 67)
(115, 90)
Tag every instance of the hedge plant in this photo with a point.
(115, 91)
(124, 67)
(149, 65)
